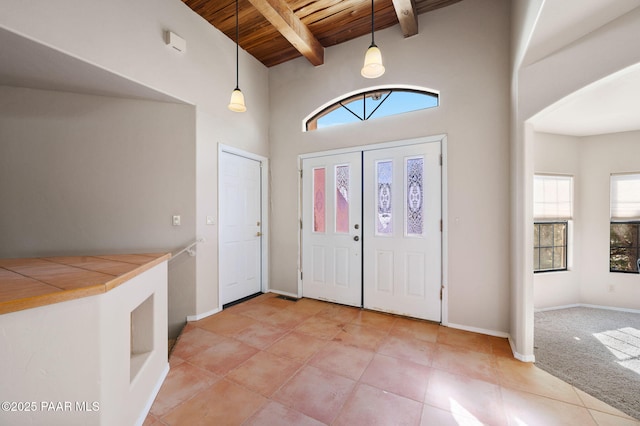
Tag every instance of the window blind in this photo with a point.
(625, 197)
(552, 197)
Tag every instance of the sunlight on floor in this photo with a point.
(462, 416)
(624, 343)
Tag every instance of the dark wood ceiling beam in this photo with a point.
(291, 27)
(407, 16)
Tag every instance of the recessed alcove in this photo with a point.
(141, 336)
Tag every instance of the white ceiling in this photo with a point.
(26, 63)
(610, 105)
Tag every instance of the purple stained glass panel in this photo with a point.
(319, 203)
(342, 198)
(384, 171)
(415, 195)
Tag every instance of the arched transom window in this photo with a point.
(371, 103)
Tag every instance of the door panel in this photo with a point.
(240, 216)
(403, 240)
(396, 264)
(332, 206)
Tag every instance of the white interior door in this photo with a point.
(402, 230)
(240, 227)
(331, 228)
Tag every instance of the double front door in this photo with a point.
(371, 231)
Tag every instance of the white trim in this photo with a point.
(299, 272)
(152, 396)
(444, 308)
(519, 356)
(367, 89)
(440, 138)
(382, 145)
(494, 333)
(555, 308)
(264, 210)
(198, 317)
(610, 308)
(284, 293)
(586, 305)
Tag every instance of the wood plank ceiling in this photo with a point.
(276, 31)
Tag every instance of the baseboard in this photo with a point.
(586, 305)
(284, 293)
(555, 308)
(611, 308)
(198, 317)
(519, 356)
(479, 330)
(152, 397)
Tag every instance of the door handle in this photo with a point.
(258, 234)
(356, 238)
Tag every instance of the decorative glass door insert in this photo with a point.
(384, 179)
(414, 168)
(319, 202)
(342, 198)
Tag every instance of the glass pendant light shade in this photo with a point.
(236, 104)
(373, 67)
(237, 101)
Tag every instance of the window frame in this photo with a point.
(557, 214)
(537, 246)
(635, 223)
(624, 210)
(310, 122)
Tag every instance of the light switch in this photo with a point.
(176, 220)
(210, 220)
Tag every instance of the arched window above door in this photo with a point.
(371, 103)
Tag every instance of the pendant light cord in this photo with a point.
(373, 43)
(237, 50)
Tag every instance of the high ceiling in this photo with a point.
(606, 106)
(276, 31)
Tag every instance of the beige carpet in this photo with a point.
(596, 350)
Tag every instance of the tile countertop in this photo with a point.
(31, 282)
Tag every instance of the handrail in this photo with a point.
(189, 249)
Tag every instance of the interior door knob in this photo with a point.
(356, 238)
(258, 234)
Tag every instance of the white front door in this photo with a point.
(331, 228)
(240, 227)
(382, 251)
(402, 230)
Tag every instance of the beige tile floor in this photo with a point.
(270, 361)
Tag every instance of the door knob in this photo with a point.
(258, 234)
(356, 238)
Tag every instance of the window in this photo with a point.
(624, 228)
(550, 246)
(370, 104)
(552, 212)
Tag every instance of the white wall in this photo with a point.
(79, 351)
(600, 157)
(606, 50)
(523, 20)
(591, 160)
(83, 175)
(461, 51)
(127, 38)
(557, 154)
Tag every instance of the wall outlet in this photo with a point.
(175, 220)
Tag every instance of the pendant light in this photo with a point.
(373, 67)
(237, 98)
